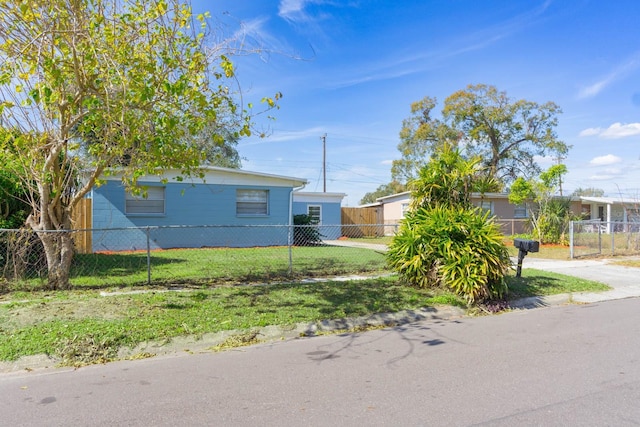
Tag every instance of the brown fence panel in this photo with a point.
(509, 227)
(82, 221)
(366, 220)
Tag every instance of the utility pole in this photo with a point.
(324, 162)
(559, 160)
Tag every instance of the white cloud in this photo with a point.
(590, 132)
(608, 174)
(616, 130)
(290, 6)
(386, 162)
(604, 176)
(619, 72)
(609, 159)
(294, 10)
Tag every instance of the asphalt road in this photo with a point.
(572, 365)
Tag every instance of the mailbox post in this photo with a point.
(524, 247)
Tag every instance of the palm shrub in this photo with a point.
(451, 246)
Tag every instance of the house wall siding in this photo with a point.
(330, 221)
(188, 205)
(393, 211)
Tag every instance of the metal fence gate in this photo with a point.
(589, 238)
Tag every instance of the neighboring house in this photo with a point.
(323, 208)
(241, 201)
(394, 208)
(512, 218)
(610, 210)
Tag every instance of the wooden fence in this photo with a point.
(362, 222)
(82, 221)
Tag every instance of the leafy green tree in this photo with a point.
(421, 135)
(393, 187)
(14, 207)
(139, 74)
(219, 147)
(482, 121)
(550, 214)
(445, 241)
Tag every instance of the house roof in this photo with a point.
(219, 175)
(611, 200)
(404, 194)
(475, 196)
(370, 205)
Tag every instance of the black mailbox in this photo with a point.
(526, 245)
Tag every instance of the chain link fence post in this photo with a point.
(290, 244)
(611, 228)
(571, 240)
(148, 257)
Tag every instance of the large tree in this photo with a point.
(420, 137)
(383, 190)
(137, 74)
(506, 134)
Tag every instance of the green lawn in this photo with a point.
(195, 292)
(538, 283)
(211, 266)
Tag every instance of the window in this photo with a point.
(486, 205)
(585, 212)
(149, 202)
(520, 211)
(315, 213)
(252, 202)
(405, 208)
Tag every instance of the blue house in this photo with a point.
(229, 208)
(323, 208)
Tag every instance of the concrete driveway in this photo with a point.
(624, 281)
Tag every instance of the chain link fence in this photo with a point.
(200, 255)
(589, 238)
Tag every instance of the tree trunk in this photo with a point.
(58, 248)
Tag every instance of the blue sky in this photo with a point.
(350, 69)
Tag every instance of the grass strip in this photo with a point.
(540, 283)
(51, 325)
(82, 327)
